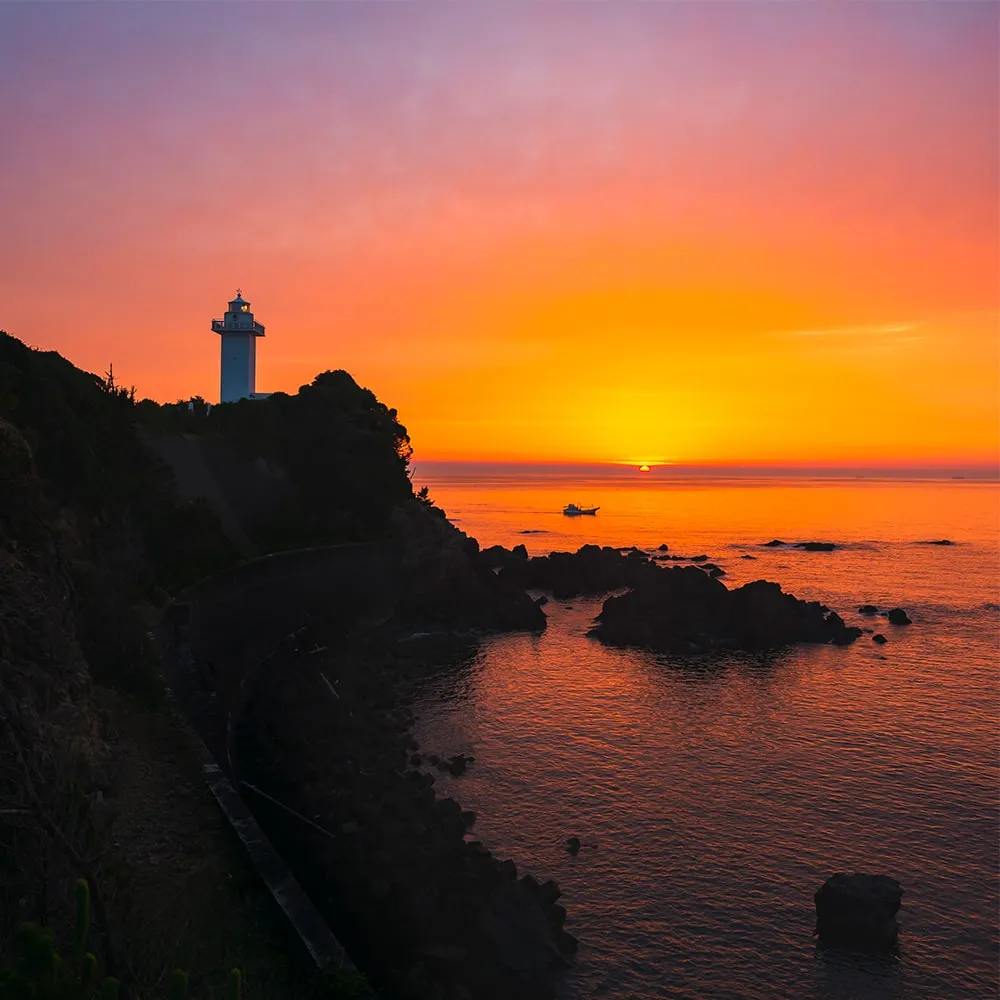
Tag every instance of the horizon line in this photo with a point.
(932, 469)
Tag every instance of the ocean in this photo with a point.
(713, 795)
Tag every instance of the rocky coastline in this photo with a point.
(421, 905)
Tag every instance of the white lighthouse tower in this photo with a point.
(239, 350)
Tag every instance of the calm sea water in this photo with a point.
(713, 796)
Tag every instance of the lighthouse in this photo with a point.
(239, 334)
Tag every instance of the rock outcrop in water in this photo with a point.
(684, 610)
(592, 569)
(858, 911)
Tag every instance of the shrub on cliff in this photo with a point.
(82, 434)
(344, 452)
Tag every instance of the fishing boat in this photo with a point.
(571, 510)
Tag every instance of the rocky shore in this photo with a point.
(672, 608)
(422, 906)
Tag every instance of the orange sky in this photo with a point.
(679, 232)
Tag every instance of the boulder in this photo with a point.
(662, 547)
(858, 911)
(573, 845)
(941, 541)
(748, 557)
(897, 616)
(879, 638)
(816, 546)
(682, 609)
(774, 543)
(868, 609)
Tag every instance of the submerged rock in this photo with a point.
(573, 845)
(897, 616)
(816, 546)
(879, 638)
(868, 609)
(940, 541)
(681, 609)
(858, 911)
(774, 543)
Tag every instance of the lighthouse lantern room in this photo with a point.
(239, 333)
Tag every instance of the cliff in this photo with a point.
(109, 508)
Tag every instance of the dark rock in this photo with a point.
(457, 765)
(698, 559)
(415, 760)
(566, 943)
(662, 548)
(507, 869)
(573, 845)
(549, 892)
(681, 609)
(541, 601)
(816, 546)
(522, 937)
(868, 609)
(748, 557)
(715, 572)
(879, 638)
(858, 911)
(774, 543)
(592, 569)
(520, 552)
(940, 541)
(445, 582)
(897, 616)
(469, 817)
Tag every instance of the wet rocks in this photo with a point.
(774, 543)
(897, 616)
(816, 546)
(858, 911)
(940, 541)
(681, 609)
(868, 609)
(879, 638)
(573, 845)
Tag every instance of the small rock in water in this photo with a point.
(748, 557)
(816, 546)
(457, 765)
(662, 547)
(941, 541)
(879, 638)
(897, 616)
(573, 845)
(868, 609)
(774, 543)
(858, 911)
(715, 572)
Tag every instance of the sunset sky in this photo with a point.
(660, 232)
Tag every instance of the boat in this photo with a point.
(571, 510)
